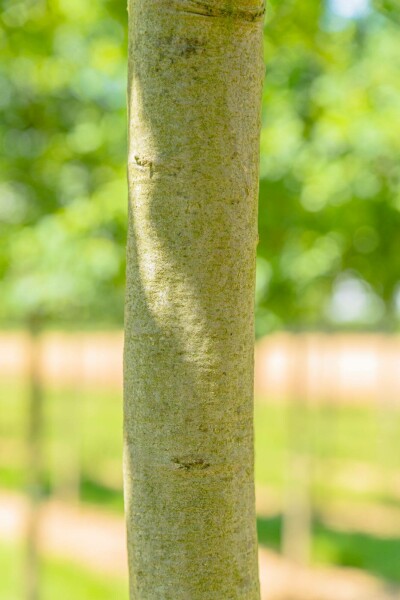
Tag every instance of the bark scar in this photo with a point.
(205, 9)
(143, 162)
(196, 464)
(151, 168)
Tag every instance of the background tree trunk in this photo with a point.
(195, 80)
(34, 461)
(297, 517)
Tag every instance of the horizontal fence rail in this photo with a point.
(337, 368)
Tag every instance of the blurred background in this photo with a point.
(327, 300)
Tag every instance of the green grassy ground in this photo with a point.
(380, 556)
(355, 457)
(59, 580)
(85, 427)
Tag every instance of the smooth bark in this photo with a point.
(195, 80)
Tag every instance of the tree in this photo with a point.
(329, 209)
(61, 230)
(329, 184)
(62, 223)
(195, 80)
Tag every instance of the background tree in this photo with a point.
(62, 129)
(329, 189)
(329, 179)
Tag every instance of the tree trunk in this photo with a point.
(297, 517)
(195, 79)
(34, 462)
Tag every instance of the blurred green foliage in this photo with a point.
(330, 173)
(63, 192)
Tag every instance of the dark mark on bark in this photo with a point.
(206, 10)
(197, 464)
(143, 162)
(185, 47)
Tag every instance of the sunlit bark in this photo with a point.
(195, 78)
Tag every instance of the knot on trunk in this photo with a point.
(208, 9)
(195, 464)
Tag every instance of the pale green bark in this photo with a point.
(195, 78)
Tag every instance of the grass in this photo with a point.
(83, 431)
(378, 555)
(85, 427)
(59, 580)
(349, 447)
(339, 440)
